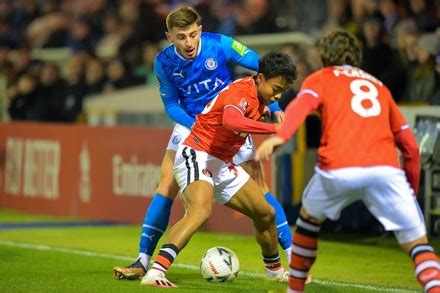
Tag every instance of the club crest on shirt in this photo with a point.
(211, 64)
(233, 170)
(206, 172)
(243, 104)
(176, 139)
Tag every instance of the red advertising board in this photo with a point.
(97, 173)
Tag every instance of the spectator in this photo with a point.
(76, 86)
(80, 36)
(111, 39)
(423, 12)
(117, 76)
(256, 16)
(24, 100)
(95, 77)
(23, 61)
(359, 10)
(389, 10)
(145, 72)
(435, 99)
(338, 15)
(423, 82)
(379, 59)
(52, 93)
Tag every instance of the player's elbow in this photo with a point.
(227, 123)
(412, 148)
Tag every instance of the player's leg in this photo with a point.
(249, 201)
(390, 199)
(325, 196)
(198, 201)
(304, 250)
(198, 198)
(423, 256)
(158, 214)
(155, 221)
(255, 170)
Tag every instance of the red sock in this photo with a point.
(426, 267)
(304, 248)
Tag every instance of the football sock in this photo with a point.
(165, 258)
(272, 264)
(426, 267)
(144, 259)
(288, 253)
(283, 229)
(304, 248)
(155, 223)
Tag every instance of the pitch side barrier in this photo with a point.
(95, 173)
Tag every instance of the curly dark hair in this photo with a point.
(275, 63)
(340, 47)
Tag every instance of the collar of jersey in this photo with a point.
(198, 50)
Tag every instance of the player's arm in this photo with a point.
(237, 53)
(407, 144)
(234, 119)
(296, 112)
(273, 107)
(170, 100)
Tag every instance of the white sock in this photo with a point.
(271, 273)
(154, 273)
(288, 253)
(144, 259)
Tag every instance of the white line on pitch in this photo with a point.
(45, 247)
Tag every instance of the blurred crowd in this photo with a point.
(401, 44)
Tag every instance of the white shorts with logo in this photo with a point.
(180, 133)
(383, 189)
(191, 165)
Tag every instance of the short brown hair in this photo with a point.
(340, 47)
(183, 17)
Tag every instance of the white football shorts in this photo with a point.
(383, 189)
(191, 165)
(180, 133)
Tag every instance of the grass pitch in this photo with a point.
(81, 259)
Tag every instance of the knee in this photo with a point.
(167, 186)
(199, 213)
(265, 219)
(306, 216)
(410, 238)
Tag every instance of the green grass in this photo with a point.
(9, 216)
(55, 260)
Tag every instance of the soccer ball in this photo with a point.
(219, 264)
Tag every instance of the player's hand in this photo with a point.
(279, 116)
(265, 150)
(267, 115)
(277, 126)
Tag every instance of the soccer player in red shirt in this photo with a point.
(204, 169)
(357, 159)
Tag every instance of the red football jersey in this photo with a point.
(359, 118)
(208, 133)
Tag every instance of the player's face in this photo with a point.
(186, 40)
(270, 90)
